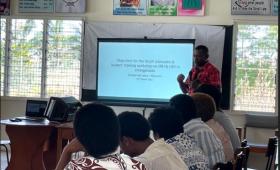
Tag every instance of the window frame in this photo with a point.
(233, 69)
(44, 53)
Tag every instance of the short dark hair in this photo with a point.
(212, 91)
(97, 128)
(205, 106)
(166, 122)
(203, 49)
(185, 105)
(134, 125)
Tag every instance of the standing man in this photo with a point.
(202, 73)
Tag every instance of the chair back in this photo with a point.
(271, 147)
(240, 159)
(245, 149)
(223, 166)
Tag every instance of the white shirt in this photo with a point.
(227, 124)
(161, 156)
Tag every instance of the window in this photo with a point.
(63, 57)
(255, 68)
(43, 59)
(2, 52)
(25, 58)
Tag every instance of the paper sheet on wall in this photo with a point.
(35, 6)
(130, 7)
(274, 7)
(4, 7)
(250, 7)
(191, 7)
(162, 7)
(70, 6)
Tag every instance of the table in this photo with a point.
(29, 139)
(36, 145)
(64, 134)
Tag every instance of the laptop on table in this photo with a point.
(35, 109)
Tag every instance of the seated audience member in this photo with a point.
(167, 123)
(135, 142)
(97, 133)
(206, 140)
(205, 107)
(219, 115)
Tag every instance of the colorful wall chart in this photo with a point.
(162, 7)
(130, 7)
(191, 7)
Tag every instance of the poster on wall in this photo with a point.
(162, 7)
(4, 7)
(36, 6)
(274, 7)
(130, 7)
(70, 6)
(250, 7)
(191, 7)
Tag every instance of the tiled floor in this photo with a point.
(3, 164)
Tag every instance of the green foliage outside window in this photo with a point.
(256, 58)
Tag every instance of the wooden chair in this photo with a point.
(245, 151)
(271, 147)
(239, 132)
(258, 121)
(223, 166)
(240, 160)
(237, 164)
(5, 143)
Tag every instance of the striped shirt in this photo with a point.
(223, 136)
(209, 143)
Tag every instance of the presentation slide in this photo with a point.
(142, 71)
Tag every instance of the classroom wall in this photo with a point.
(217, 13)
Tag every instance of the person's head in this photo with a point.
(97, 128)
(212, 91)
(205, 106)
(166, 122)
(134, 128)
(201, 55)
(184, 104)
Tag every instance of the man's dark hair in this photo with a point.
(185, 105)
(134, 125)
(203, 49)
(205, 106)
(212, 91)
(166, 122)
(97, 128)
